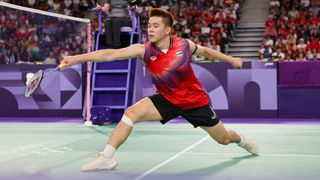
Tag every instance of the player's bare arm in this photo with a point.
(211, 53)
(133, 51)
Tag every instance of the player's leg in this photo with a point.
(144, 110)
(207, 119)
(223, 136)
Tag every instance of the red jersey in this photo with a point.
(173, 76)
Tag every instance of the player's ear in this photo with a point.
(168, 30)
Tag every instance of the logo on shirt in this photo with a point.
(153, 58)
(179, 53)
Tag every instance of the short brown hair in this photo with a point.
(167, 17)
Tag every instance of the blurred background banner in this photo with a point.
(59, 94)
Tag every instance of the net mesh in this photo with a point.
(33, 36)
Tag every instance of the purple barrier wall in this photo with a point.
(249, 92)
(299, 89)
(299, 102)
(59, 95)
(299, 74)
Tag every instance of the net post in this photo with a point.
(88, 121)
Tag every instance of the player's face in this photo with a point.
(157, 29)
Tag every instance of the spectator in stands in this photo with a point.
(223, 41)
(274, 57)
(314, 44)
(313, 55)
(275, 3)
(220, 16)
(24, 55)
(231, 25)
(205, 30)
(288, 56)
(315, 32)
(11, 57)
(4, 49)
(292, 33)
(301, 56)
(215, 46)
(291, 45)
(314, 6)
(271, 32)
(302, 46)
(118, 16)
(66, 7)
(280, 54)
(51, 59)
(186, 31)
(269, 21)
(265, 52)
(31, 3)
(34, 50)
(303, 20)
(304, 34)
(267, 40)
(304, 4)
(293, 13)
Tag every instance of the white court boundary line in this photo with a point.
(260, 155)
(43, 12)
(170, 159)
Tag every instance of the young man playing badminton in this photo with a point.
(179, 92)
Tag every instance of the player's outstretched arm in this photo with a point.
(211, 53)
(133, 51)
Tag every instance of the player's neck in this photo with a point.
(164, 43)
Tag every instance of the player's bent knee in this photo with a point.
(133, 114)
(131, 111)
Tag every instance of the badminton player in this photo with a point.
(179, 92)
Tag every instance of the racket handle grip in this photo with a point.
(61, 65)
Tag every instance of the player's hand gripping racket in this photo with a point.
(36, 79)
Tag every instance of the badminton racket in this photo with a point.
(36, 79)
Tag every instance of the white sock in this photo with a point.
(109, 150)
(242, 141)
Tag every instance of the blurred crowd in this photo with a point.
(34, 38)
(26, 37)
(292, 31)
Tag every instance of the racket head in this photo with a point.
(34, 83)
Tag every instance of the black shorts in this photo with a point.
(200, 116)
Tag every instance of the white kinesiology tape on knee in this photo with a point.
(127, 120)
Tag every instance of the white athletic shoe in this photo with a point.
(101, 163)
(249, 146)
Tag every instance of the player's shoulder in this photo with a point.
(182, 41)
(147, 44)
(176, 38)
